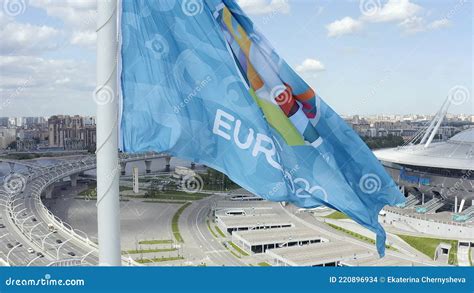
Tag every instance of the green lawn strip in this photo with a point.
(125, 188)
(453, 253)
(235, 254)
(428, 246)
(158, 259)
(166, 201)
(264, 264)
(90, 192)
(95, 198)
(175, 221)
(148, 250)
(210, 229)
(238, 249)
(337, 216)
(219, 231)
(172, 197)
(175, 195)
(470, 257)
(156, 241)
(359, 236)
(166, 197)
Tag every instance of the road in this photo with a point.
(199, 239)
(25, 220)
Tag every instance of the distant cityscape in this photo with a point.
(65, 132)
(58, 132)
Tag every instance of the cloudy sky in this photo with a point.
(362, 57)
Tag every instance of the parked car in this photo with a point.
(9, 245)
(51, 228)
(30, 250)
(39, 254)
(59, 241)
(33, 219)
(2, 226)
(71, 253)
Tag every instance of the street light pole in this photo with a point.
(105, 96)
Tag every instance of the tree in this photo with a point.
(12, 145)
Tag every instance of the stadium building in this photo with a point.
(435, 176)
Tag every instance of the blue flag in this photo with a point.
(199, 82)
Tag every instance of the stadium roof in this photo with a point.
(456, 153)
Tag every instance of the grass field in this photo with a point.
(175, 221)
(148, 250)
(219, 231)
(470, 257)
(358, 236)
(166, 201)
(238, 249)
(174, 195)
(91, 191)
(264, 264)
(337, 216)
(428, 246)
(156, 241)
(158, 259)
(210, 229)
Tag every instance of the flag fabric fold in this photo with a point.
(200, 82)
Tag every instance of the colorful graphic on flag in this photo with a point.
(199, 82)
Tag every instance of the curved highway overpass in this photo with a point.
(29, 233)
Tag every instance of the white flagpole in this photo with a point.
(108, 205)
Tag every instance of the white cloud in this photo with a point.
(46, 72)
(413, 25)
(84, 38)
(345, 26)
(23, 38)
(417, 24)
(265, 6)
(310, 66)
(79, 18)
(75, 14)
(440, 23)
(393, 10)
(34, 85)
(407, 14)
